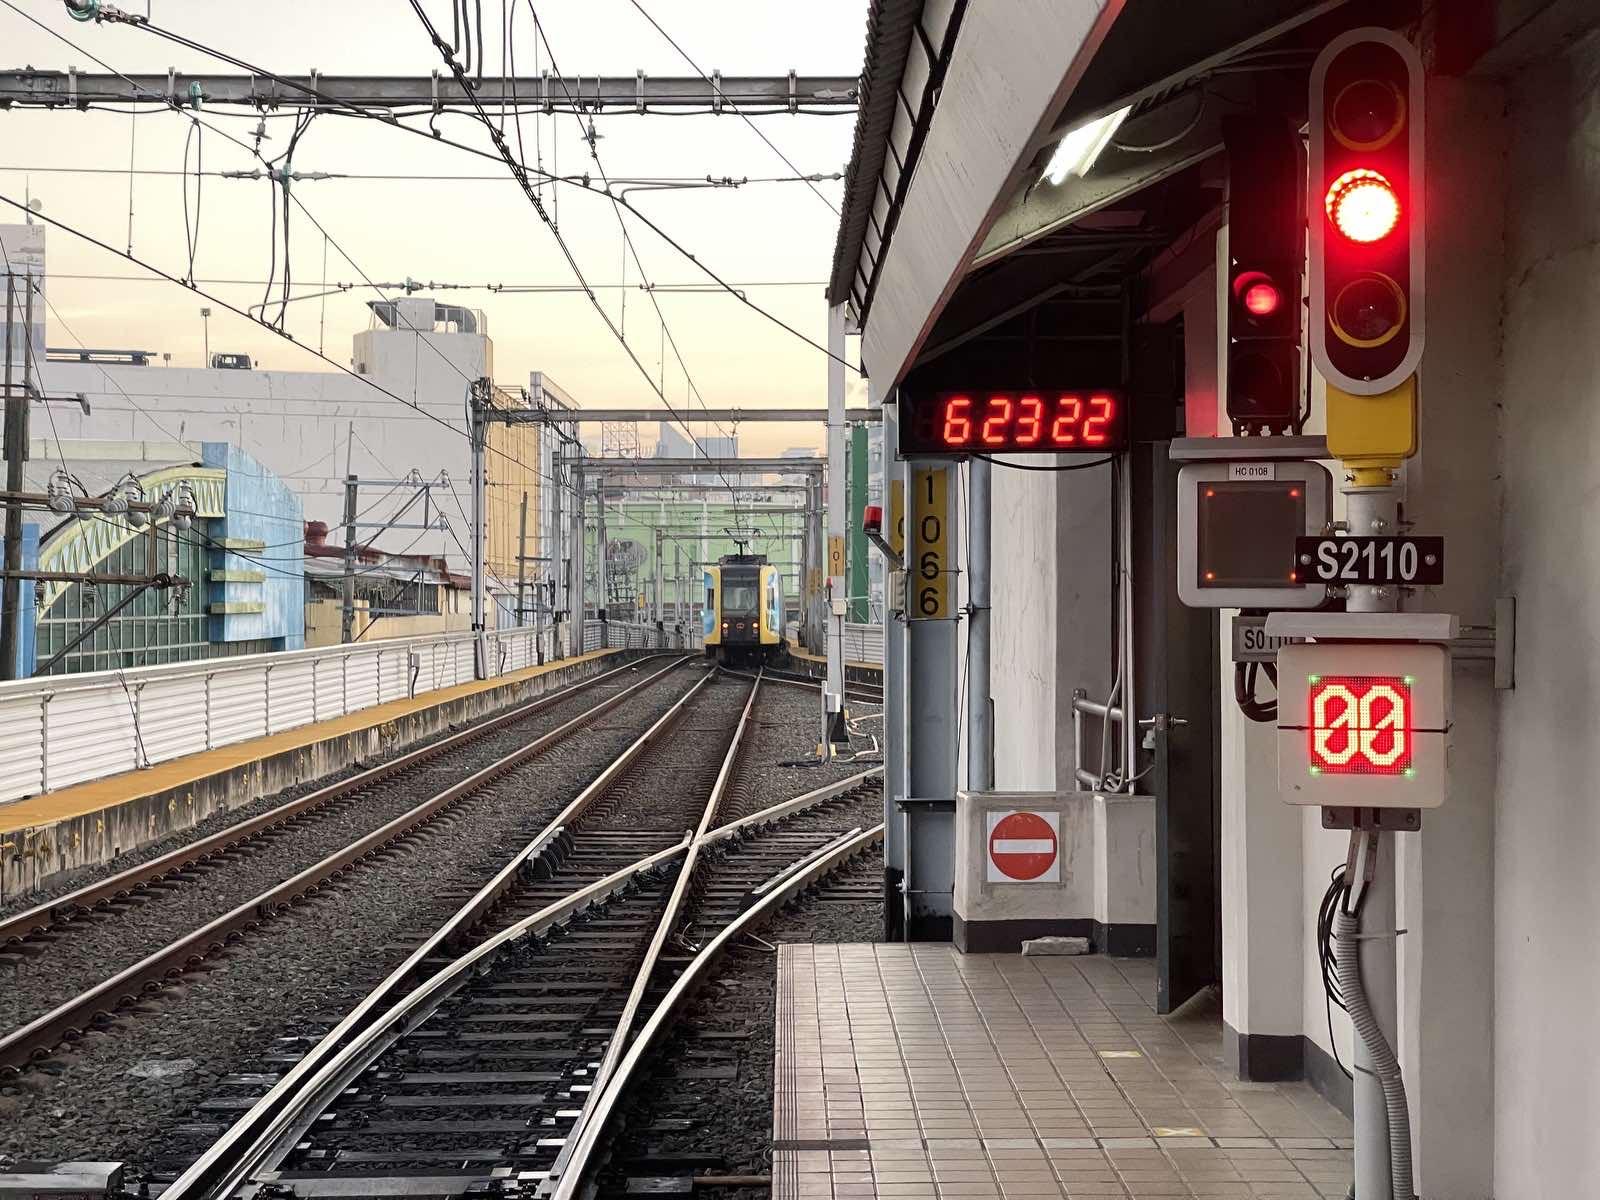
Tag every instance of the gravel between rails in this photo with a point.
(730, 1119)
(787, 721)
(101, 943)
(300, 971)
(218, 821)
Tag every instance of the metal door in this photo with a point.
(1177, 671)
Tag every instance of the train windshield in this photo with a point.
(738, 595)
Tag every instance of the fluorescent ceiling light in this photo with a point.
(1076, 152)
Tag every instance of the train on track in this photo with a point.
(742, 622)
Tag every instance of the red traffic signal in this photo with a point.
(1365, 211)
(1266, 245)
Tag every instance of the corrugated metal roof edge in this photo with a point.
(889, 28)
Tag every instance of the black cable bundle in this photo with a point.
(1332, 900)
(1244, 691)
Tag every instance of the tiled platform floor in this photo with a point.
(912, 1071)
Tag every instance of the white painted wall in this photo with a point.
(295, 422)
(1547, 815)
(1023, 646)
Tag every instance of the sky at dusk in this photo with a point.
(471, 231)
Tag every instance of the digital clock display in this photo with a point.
(1042, 421)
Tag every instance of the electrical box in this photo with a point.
(1237, 522)
(1363, 724)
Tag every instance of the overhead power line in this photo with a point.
(433, 135)
(716, 84)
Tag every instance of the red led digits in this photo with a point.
(1064, 429)
(1030, 425)
(1065, 422)
(995, 423)
(1101, 411)
(957, 422)
(1360, 725)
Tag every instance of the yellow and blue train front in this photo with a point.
(739, 617)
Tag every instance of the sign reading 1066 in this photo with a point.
(930, 545)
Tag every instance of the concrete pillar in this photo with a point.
(1446, 884)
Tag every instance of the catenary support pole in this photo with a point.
(555, 538)
(479, 438)
(522, 558)
(576, 600)
(16, 435)
(838, 468)
(347, 615)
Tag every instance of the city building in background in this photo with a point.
(238, 557)
(396, 595)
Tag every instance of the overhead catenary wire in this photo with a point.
(520, 169)
(684, 54)
(632, 250)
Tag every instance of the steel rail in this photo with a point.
(787, 808)
(270, 1128)
(586, 1137)
(29, 921)
(318, 1086)
(24, 1043)
(260, 1139)
(680, 891)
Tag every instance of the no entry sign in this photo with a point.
(1023, 847)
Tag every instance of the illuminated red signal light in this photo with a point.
(1261, 298)
(1362, 205)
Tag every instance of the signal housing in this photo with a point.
(1365, 211)
(1266, 251)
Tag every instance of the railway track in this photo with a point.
(500, 1047)
(80, 958)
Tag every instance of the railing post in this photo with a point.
(44, 741)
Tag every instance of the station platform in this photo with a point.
(49, 835)
(911, 1071)
(854, 672)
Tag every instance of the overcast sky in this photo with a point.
(456, 231)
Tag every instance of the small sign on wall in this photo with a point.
(1022, 846)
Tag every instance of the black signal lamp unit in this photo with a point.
(1365, 211)
(1266, 173)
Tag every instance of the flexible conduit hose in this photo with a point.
(1384, 1064)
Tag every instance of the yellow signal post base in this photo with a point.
(1373, 432)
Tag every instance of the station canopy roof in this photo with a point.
(952, 234)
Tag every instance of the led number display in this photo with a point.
(1364, 724)
(1360, 725)
(1009, 422)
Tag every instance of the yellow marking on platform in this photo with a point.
(796, 652)
(97, 794)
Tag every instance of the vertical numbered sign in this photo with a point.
(930, 565)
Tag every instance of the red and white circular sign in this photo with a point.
(1022, 846)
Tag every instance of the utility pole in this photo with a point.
(347, 619)
(479, 436)
(603, 564)
(205, 323)
(16, 433)
(575, 570)
(833, 693)
(522, 557)
(657, 609)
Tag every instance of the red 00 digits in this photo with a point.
(1003, 421)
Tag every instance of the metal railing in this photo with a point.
(60, 730)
